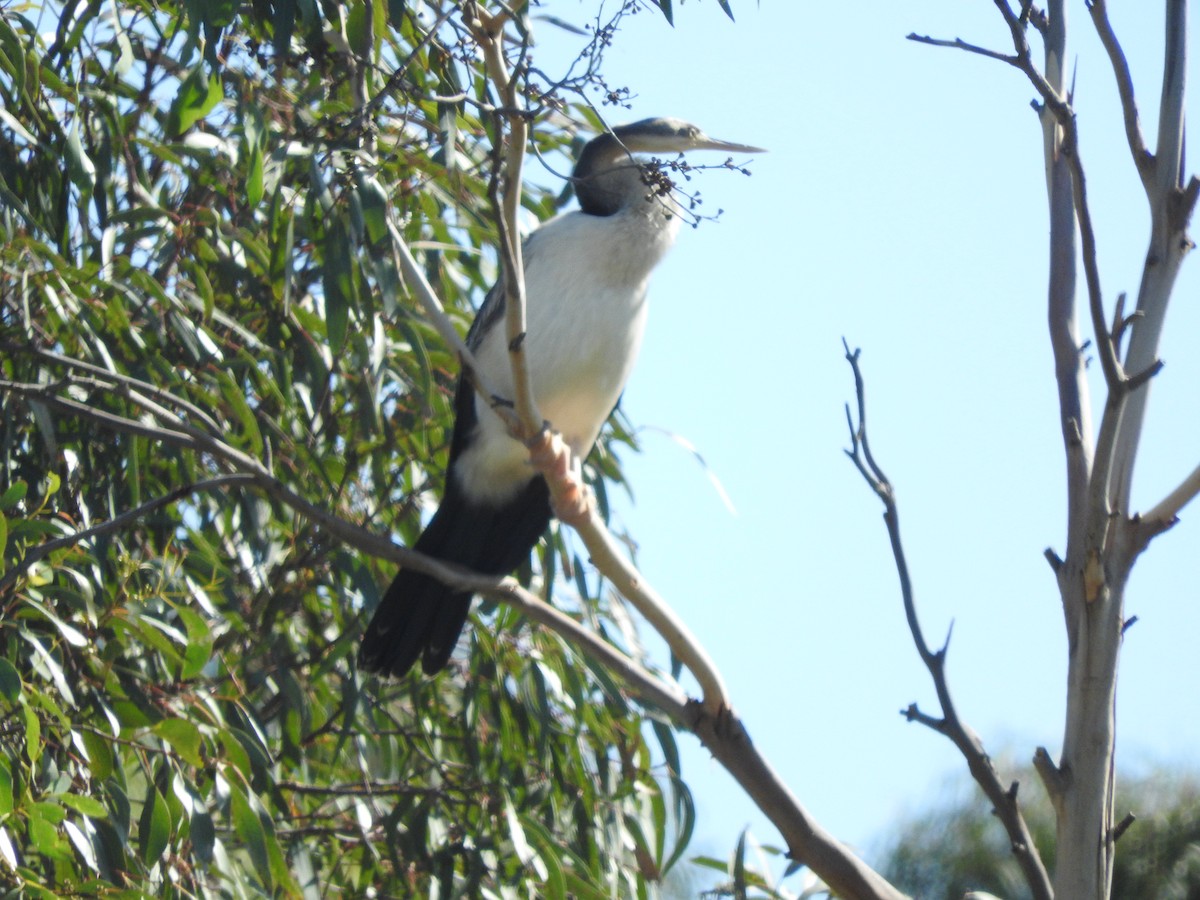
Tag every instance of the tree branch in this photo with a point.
(960, 44)
(717, 727)
(1166, 510)
(489, 32)
(38, 552)
(964, 738)
(646, 686)
(548, 453)
(1171, 206)
(1142, 157)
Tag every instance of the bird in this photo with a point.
(586, 276)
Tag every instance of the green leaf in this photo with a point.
(82, 845)
(10, 681)
(84, 805)
(199, 642)
(7, 852)
(338, 279)
(184, 738)
(6, 788)
(79, 164)
(737, 867)
(685, 822)
(33, 734)
(203, 835)
(516, 833)
(235, 396)
(43, 831)
(668, 14)
(249, 828)
(197, 95)
(254, 177)
(554, 881)
(154, 828)
(99, 754)
(13, 495)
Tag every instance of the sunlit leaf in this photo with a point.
(184, 738)
(99, 754)
(13, 495)
(198, 93)
(88, 806)
(8, 853)
(250, 829)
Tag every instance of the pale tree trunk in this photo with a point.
(1104, 536)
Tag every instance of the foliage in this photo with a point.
(955, 848)
(195, 203)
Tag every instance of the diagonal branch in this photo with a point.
(1142, 157)
(1165, 511)
(415, 280)
(1004, 800)
(647, 687)
(722, 732)
(38, 552)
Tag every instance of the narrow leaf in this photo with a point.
(197, 95)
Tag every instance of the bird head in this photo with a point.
(607, 176)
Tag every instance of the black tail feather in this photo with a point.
(419, 617)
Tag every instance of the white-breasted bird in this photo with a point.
(586, 274)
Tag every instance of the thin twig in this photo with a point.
(960, 44)
(416, 281)
(36, 553)
(964, 738)
(106, 375)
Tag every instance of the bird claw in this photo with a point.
(569, 496)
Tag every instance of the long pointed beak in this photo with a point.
(704, 142)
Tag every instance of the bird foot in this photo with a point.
(569, 496)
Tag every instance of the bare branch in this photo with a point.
(115, 378)
(963, 737)
(1171, 206)
(1105, 345)
(489, 32)
(1165, 511)
(1122, 827)
(913, 714)
(416, 281)
(1050, 774)
(726, 738)
(1142, 157)
(960, 44)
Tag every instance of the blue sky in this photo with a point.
(901, 206)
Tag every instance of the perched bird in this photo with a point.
(585, 281)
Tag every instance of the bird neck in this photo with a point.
(608, 180)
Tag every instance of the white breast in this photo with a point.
(585, 286)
